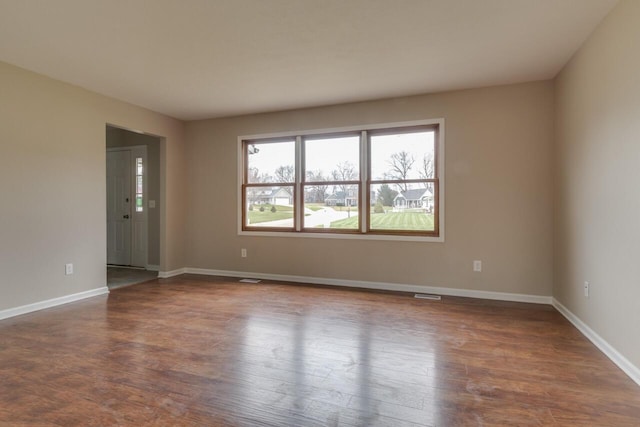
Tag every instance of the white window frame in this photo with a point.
(361, 128)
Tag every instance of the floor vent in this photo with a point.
(250, 280)
(428, 296)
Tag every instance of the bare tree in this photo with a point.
(401, 164)
(345, 171)
(285, 173)
(254, 193)
(318, 191)
(427, 169)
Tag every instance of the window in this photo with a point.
(381, 181)
(403, 180)
(331, 183)
(139, 185)
(270, 184)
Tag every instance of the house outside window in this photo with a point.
(381, 182)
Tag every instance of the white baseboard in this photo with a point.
(501, 296)
(172, 273)
(623, 363)
(24, 309)
(152, 267)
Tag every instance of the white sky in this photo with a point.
(326, 154)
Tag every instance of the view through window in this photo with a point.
(381, 181)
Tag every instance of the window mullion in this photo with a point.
(298, 198)
(364, 178)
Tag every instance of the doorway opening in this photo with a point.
(133, 214)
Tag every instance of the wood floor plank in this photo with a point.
(209, 351)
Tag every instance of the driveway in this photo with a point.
(324, 216)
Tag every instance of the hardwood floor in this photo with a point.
(118, 277)
(203, 351)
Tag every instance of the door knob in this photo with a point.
(125, 216)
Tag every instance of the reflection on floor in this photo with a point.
(117, 277)
(210, 351)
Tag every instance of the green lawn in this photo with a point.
(282, 212)
(392, 221)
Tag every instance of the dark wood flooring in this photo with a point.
(118, 277)
(204, 351)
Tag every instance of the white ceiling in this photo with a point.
(194, 59)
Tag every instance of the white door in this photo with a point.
(119, 207)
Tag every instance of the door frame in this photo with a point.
(143, 253)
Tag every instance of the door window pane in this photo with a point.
(139, 185)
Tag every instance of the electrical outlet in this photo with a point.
(68, 269)
(477, 266)
(243, 253)
(586, 289)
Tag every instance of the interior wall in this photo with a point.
(53, 185)
(597, 204)
(498, 195)
(122, 138)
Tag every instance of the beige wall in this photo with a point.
(53, 185)
(597, 198)
(498, 195)
(502, 166)
(122, 138)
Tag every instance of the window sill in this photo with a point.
(345, 236)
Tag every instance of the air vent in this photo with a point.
(250, 280)
(428, 296)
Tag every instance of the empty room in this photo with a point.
(319, 213)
